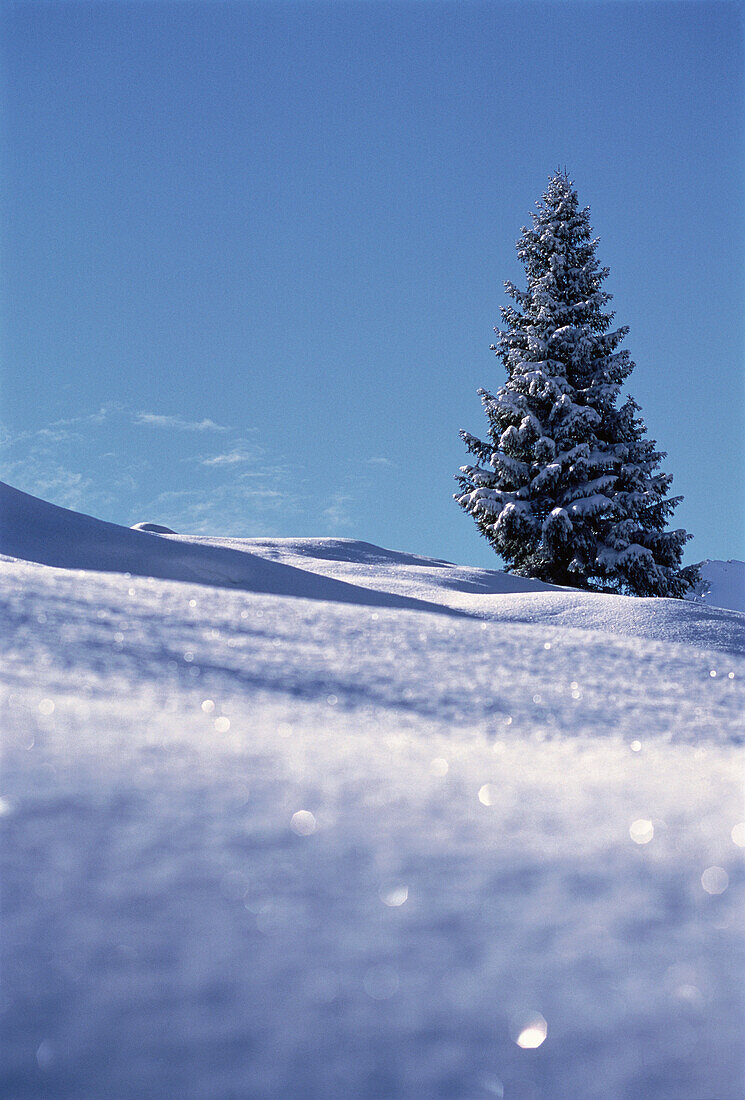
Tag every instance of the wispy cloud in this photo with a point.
(337, 513)
(50, 480)
(177, 423)
(58, 461)
(109, 409)
(231, 509)
(236, 457)
(102, 462)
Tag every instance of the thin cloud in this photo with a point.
(337, 514)
(177, 423)
(234, 486)
(103, 414)
(379, 461)
(54, 482)
(228, 510)
(230, 458)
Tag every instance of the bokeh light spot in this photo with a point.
(303, 823)
(715, 880)
(394, 896)
(532, 1033)
(381, 982)
(488, 794)
(641, 831)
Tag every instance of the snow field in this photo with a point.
(262, 846)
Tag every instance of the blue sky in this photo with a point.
(252, 254)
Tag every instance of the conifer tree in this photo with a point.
(566, 487)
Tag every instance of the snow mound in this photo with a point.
(153, 528)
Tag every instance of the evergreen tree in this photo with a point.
(566, 489)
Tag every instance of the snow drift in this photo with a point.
(448, 834)
(34, 530)
(347, 571)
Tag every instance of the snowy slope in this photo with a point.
(376, 832)
(347, 571)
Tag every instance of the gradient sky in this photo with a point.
(252, 254)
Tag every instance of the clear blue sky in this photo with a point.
(252, 254)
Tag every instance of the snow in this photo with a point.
(308, 817)
(155, 528)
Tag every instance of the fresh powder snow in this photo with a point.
(308, 817)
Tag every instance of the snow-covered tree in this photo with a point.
(566, 488)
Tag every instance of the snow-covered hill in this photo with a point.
(312, 818)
